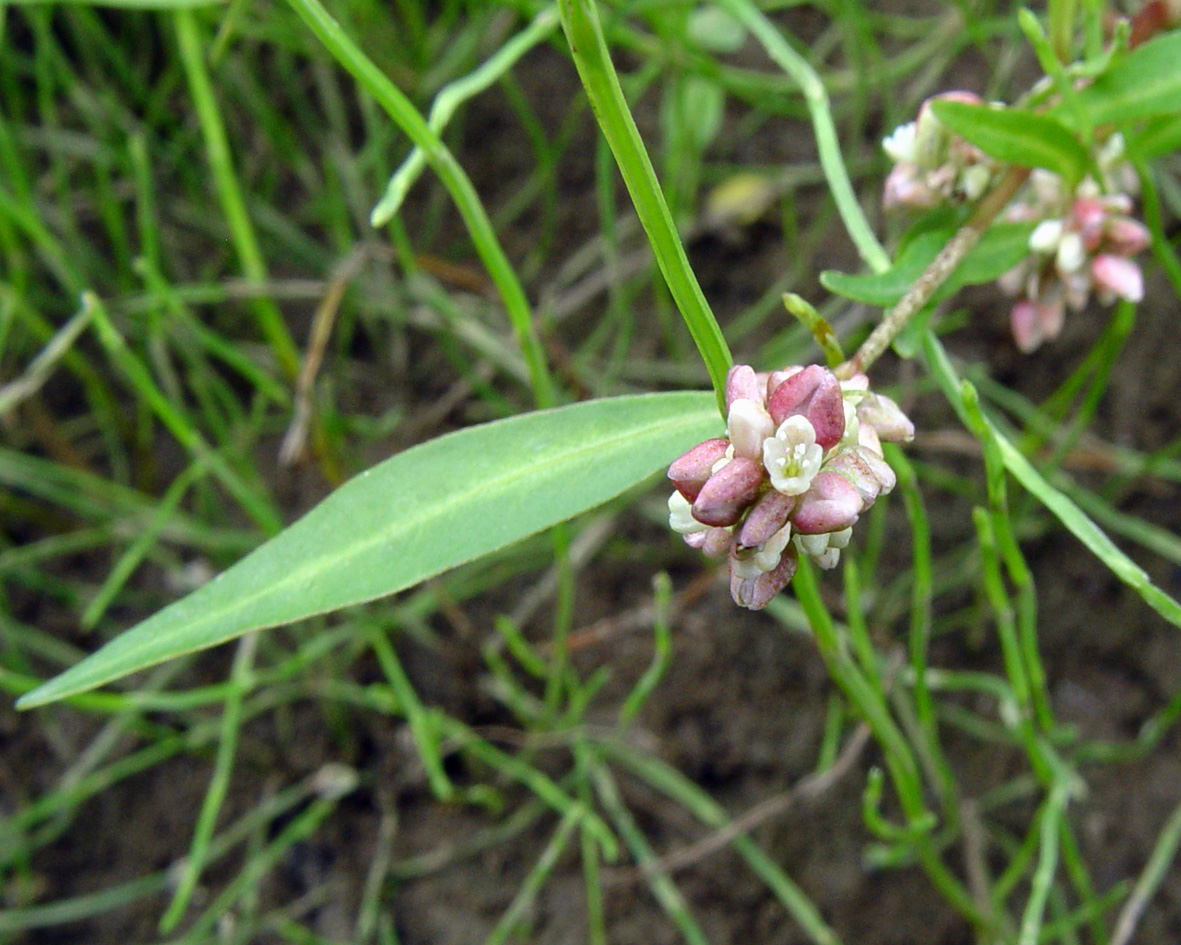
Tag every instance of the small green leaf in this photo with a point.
(886, 288)
(1144, 83)
(413, 516)
(1002, 246)
(1015, 136)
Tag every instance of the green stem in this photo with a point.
(221, 162)
(827, 145)
(938, 272)
(593, 61)
(900, 761)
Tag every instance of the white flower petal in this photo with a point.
(680, 516)
(1071, 253)
(792, 456)
(900, 145)
(1046, 236)
(748, 425)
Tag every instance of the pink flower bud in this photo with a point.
(814, 393)
(776, 378)
(830, 505)
(690, 472)
(766, 517)
(904, 188)
(1125, 236)
(712, 542)
(728, 492)
(1087, 217)
(886, 418)
(866, 471)
(755, 593)
(742, 384)
(1118, 276)
(1035, 322)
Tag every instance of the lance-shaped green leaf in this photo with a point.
(1144, 83)
(1016, 136)
(425, 510)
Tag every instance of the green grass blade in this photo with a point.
(448, 101)
(827, 145)
(467, 201)
(412, 516)
(1064, 509)
(229, 191)
(593, 60)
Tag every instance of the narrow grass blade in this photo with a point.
(1064, 509)
(412, 516)
(448, 101)
(820, 112)
(442, 161)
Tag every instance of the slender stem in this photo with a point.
(938, 272)
(1150, 879)
(592, 58)
(229, 191)
(827, 145)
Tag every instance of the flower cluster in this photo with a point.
(1084, 238)
(1084, 242)
(801, 460)
(931, 164)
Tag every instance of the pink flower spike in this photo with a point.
(814, 393)
(742, 384)
(1118, 276)
(728, 492)
(690, 472)
(756, 593)
(830, 505)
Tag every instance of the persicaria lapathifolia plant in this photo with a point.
(801, 460)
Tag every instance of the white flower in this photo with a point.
(680, 516)
(792, 456)
(1046, 236)
(900, 146)
(1071, 253)
(748, 425)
